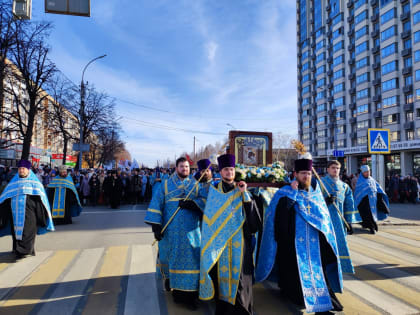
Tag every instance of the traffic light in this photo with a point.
(22, 9)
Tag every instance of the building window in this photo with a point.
(388, 15)
(364, 77)
(337, 33)
(337, 19)
(417, 36)
(409, 98)
(406, 8)
(407, 44)
(306, 89)
(340, 115)
(305, 55)
(306, 77)
(395, 136)
(362, 47)
(408, 62)
(390, 49)
(362, 93)
(388, 33)
(410, 134)
(362, 63)
(361, 140)
(378, 123)
(417, 55)
(389, 67)
(338, 60)
(416, 17)
(360, 17)
(319, 45)
(322, 133)
(362, 109)
(341, 129)
(341, 143)
(417, 74)
(338, 74)
(407, 26)
(306, 101)
(389, 85)
(321, 107)
(338, 102)
(359, 3)
(409, 116)
(305, 66)
(391, 119)
(320, 95)
(321, 120)
(306, 136)
(338, 46)
(321, 146)
(361, 32)
(338, 88)
(303, 20)
(364, 124)
(320, 57)
(408, 80)
(418, 112)
(320, 82)
(306, 124)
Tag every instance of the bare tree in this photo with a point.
(27, 77)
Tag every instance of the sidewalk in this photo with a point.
(403, 214)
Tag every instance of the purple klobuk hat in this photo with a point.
(25, 163)
(226, 160)
(203, 164)
(303, 165)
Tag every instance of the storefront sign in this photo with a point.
(405, 145)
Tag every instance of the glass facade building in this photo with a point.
(359, 68)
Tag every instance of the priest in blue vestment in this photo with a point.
(204, 170)
(299, 249)
(63, 198)
(24, 211)
(230, 220)
(341, 197)
(371, 200)
(179, 245)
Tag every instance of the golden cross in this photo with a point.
(309, 208)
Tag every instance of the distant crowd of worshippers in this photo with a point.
(215, 236)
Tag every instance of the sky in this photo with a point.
(184, 68)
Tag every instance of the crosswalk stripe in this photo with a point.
(103, 298)
(390, 271)
(396, 244)
(142, 282)
(17, 272)
(66, 296)
(29, 294)
(384, 247)
(387, 303)
(411, 231)
(401, 239)
(393, 288)
(353, 305)
(404, 234)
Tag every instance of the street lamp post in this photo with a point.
(229, 125)
(82, 109)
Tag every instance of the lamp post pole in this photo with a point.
(82, 109)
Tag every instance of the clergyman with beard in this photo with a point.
(298, 244)
(179, 245)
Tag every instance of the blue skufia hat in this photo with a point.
(203, 164)
(25, 163)
(226, 160)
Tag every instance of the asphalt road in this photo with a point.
(104, 264)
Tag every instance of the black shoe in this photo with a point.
(167, 285)
(324, 313)
(372, 231)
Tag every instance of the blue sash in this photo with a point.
(59, 203)
(312, 217)
(222, 243)
(17, 190)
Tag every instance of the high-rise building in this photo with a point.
(359, 68)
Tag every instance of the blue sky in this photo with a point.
(199, 64)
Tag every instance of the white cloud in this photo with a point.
(211, 48)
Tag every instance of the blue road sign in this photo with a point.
(379, 141)
(338, 153)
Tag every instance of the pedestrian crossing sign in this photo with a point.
(379, 141)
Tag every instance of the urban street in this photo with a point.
(104, 263)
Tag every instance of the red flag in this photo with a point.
(189, 159)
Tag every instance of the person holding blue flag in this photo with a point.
(299, 250)
(339, 197)
(63, 198)
(371, 200)
(179, 244)
(24, 211)
(230, 220)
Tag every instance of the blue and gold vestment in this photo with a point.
(345, 203)
(222, 243)
(179, 249)
(58, 206)
(371, 188)
(311, 218)
(17, 190)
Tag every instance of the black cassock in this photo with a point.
(69, 202)
(366, 214)
(35, 215)
(286, 261)
(115, 192)
(244, 299)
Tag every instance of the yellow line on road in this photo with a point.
(103, 297)
(398, 245)
(404, 234)
(391, 287)
(354, 306)
(35, 287)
